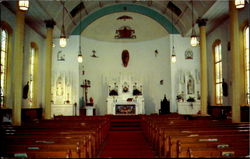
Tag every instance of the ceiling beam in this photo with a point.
(86, 11)
(68, 13)
(188, 32)
(100, 4)
(150, 3)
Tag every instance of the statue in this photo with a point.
(190, 85)
(59, 87)
(26, 91)
(224, 88)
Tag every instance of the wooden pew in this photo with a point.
(61, 138)
(166, 133)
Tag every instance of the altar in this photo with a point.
(125, 97)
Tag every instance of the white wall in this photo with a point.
(30, 36)
(222, 32)
(68, 69)
(143, 65)
(183, 65)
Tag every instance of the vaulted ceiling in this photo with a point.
(94, 13)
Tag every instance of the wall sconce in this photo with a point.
(156, 53)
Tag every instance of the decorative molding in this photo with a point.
(125, 32)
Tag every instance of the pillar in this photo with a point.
(48, 60)
(203, 65)
(18, 67)
(235, 56)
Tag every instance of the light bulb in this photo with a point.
(63, 41)
(239, 3)
(193, 41)
(173, 58)
(23, 5)
(79, 58)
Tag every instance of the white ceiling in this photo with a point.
(104, 27)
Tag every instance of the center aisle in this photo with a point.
(125, 142)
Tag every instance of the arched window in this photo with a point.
(246, 60)
(33, 75)
(4, 64)
(218, 72)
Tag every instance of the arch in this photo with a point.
(244, 57)
(34, 82)
(129, 8)
(6, 26)
(8, 85)
(218, 70)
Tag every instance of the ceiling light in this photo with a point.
(23, 5)
(239, 3)
(194, 39)
(79, 58)
(173, 56)
(63, 41)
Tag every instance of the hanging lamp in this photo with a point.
(23, 4)
(239, 3)
(173, 56)
(79, 57)
(63, 41)
(194, 39)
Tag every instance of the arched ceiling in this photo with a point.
(216, 11)
(104, 28)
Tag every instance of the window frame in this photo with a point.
(246, 84)
(215, 63)
(4, 51)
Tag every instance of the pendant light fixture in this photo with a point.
(173, 56)
(79, 57)
(194, 39)
(63, 41)
(23, 4)
(239, 3)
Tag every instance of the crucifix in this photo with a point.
(85, 86)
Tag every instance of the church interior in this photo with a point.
(124, 78)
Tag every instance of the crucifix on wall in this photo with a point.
(85, 86)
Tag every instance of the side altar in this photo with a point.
(125, 97)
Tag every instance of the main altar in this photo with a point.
(125, 97)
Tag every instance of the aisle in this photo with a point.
(126, 140)
(126, 144)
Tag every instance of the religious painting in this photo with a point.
(125, 109)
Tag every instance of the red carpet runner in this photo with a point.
(126, 140)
